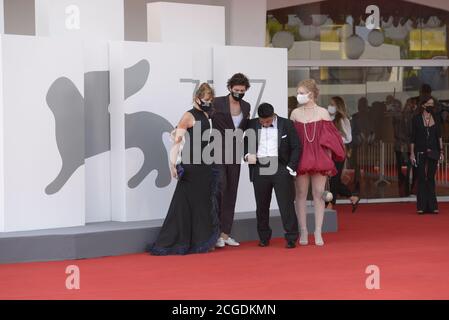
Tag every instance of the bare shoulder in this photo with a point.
(294, 115)
(187, 121)
(324, 114)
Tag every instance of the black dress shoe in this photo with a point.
(264, 243)
(290, 244)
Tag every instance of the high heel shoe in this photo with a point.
(304, 238)
(355, 205)
(319, 239)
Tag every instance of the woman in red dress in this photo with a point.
(322, 145)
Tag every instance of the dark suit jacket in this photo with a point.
(289, 145)
(222, 120)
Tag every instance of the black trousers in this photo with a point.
(283, 184)
(426, 197)
(228, 176)
(403, 179)
(336, 186)
(414, 186)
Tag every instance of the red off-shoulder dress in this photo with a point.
(319, 149)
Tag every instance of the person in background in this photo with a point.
(362, 133)
(402, 133)
(425, 91)
(292, 105)
(338, 112)
(426, 150)
(231, 112)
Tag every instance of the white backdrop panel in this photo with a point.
(147, 101)
(43, 133)
(94, 22)
(97, 121)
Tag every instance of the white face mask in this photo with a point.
(332, 110)
(303, 98)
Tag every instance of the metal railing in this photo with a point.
(378, 160)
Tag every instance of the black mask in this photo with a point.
(205, 106)
(428, 109)
(237, 96)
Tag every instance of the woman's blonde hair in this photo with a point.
(203, 90)
(311, 86)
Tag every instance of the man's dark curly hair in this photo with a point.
(239, 79)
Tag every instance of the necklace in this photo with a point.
(427, 120)
(305, 126)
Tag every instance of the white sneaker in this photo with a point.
(231, 242)
(220, 243)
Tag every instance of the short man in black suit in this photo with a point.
(272, 150)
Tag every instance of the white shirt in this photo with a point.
(346, 126)
(237, 120)
(268, 143)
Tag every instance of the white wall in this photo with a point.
(136, 16)
(185, 23)
(42, 127)
(2, 16)
(98, 19)
(248, 22)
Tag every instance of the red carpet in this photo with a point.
(411, 251)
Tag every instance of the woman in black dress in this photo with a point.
(191, 225)
(426, 150)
